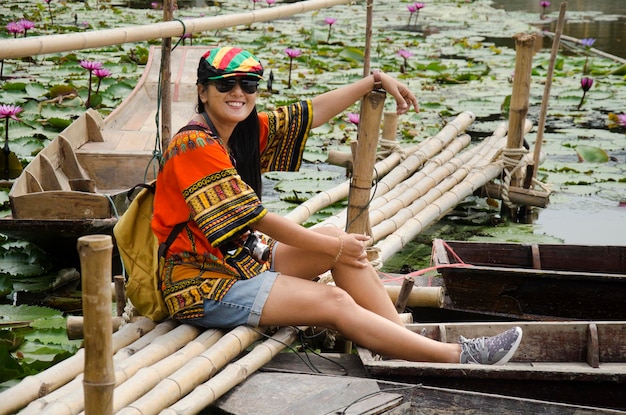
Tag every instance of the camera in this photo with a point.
(256, 248)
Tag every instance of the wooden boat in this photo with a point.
(581, 363)
(266, 393)
(77, 184)
(534, 281)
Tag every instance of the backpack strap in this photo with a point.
(163, 247)
(170, 238)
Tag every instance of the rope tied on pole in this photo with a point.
(388, 147)
(513, 160)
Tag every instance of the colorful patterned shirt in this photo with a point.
(198, 184)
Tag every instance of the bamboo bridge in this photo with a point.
(170, 368)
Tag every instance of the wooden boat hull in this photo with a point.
(578, 363)
(534, 281)
(296, 393)
(77, 184)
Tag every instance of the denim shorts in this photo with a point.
(242, 304)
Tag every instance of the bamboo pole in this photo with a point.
(432, 297)
(232, 375)
(95, 253)
(541, 125)
(369, 127)
(368, 37)
(149, 376)
(46, 383)
(165, 101)
(195, 372)
(436, 209)
(326, 198)
(37, 45)
(524, 43)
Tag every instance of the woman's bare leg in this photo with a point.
(363, 284)
(295, 301)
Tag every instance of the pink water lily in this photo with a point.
(330, 21)
(101, 73)
(14, 28)
(415, 9)
(270, 2)
(91, 66)
(405, 54)
(292, 53)
(354, 118)
(8, 112)
(585, 84)
(621, 120)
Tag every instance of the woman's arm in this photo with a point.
(349, 246)
(331, 103)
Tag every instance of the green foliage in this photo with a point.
(31, 340)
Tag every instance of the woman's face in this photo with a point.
(230, 107)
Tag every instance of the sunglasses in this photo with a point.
(248, 85)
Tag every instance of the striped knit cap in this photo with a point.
(226, 62)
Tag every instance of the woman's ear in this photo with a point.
(203, 92)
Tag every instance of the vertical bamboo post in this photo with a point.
(166, 74)
(95, 253)
(369, 14)
(524, 46)
(546, 91)
(390, 126)
(364, 159)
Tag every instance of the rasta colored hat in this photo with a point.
(226, 62)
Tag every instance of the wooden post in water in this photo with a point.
(95, 253)
(513, 153)
(524, 46)
(365, 158)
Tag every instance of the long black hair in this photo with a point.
(245, 148)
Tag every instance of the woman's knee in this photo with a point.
(339, 301)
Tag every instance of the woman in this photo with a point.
(210, 180)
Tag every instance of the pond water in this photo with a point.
(570, 217)
(602, 20)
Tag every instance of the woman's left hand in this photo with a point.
(402, 94)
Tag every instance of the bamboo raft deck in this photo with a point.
(169, 368)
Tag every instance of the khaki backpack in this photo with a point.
(140, 253)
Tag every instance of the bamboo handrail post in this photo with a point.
(166, 75)
(390, 126)
(546, 92)
(520, 95)
(361, 184)
(95, 253)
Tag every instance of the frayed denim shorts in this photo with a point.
(242, 304)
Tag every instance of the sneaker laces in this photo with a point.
(472, 347)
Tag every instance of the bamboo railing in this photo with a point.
(38, 45)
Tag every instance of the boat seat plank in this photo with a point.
(62, 204)
(49, 177)
(534, 249)
(593, 350)
(32, 184)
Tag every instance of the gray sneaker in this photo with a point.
(495, 350)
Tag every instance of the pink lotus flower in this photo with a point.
(415, 8)
(91, 66)
(270, 2)
(15, 28)
(292, 53)
(8, 112)
(544, 5)
(405, 54)
(585, 84)
(621, 120)
(329, 21)
(354, 118)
